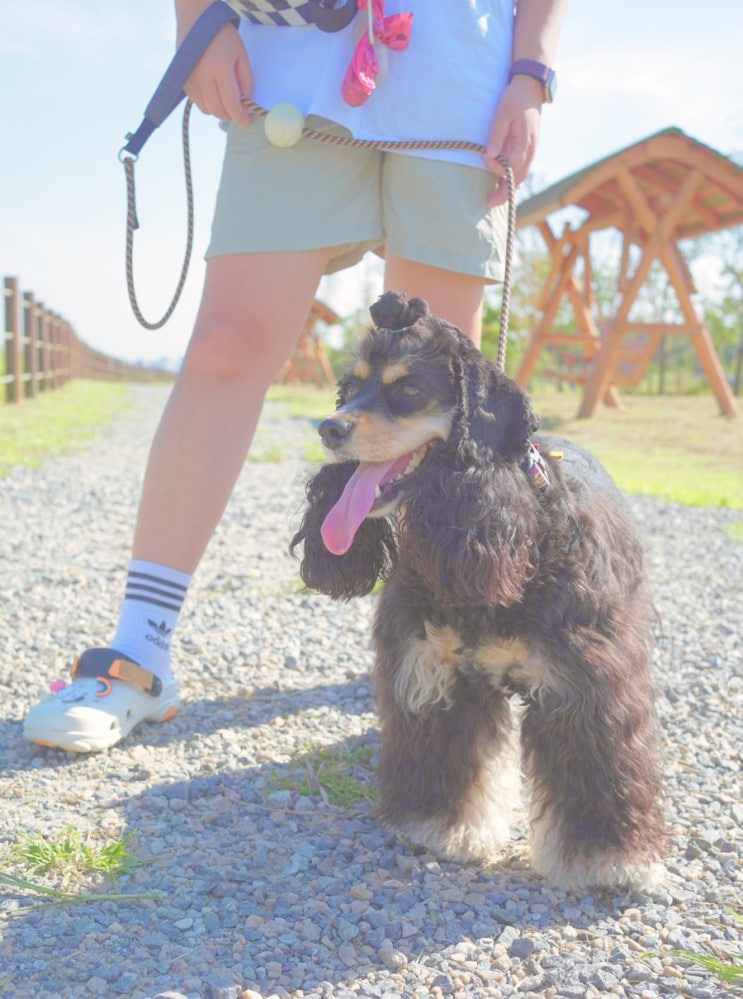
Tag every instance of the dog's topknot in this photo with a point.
(395, 311)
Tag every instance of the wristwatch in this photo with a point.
(541, 73)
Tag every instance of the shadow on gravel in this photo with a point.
(269, 880)
(262, 882)
(204, 717)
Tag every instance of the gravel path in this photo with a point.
(266, 888)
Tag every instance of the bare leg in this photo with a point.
(456, 297)
(251, 313)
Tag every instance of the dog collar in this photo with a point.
(536, 468)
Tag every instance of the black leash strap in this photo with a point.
(165, 100)
(169, 93)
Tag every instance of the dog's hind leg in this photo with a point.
(591, 751)
(448, 772)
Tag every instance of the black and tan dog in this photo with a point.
(516, 597)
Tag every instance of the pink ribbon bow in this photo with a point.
(392, 31)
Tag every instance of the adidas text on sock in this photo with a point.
(149, 614)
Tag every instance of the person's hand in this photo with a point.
(514, 134)
(223, 74)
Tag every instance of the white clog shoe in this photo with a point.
(108, 696)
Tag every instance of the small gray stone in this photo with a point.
(638, 972)
(571, 992)
(444, 984)
(392, 957)
(604, 980)
(507, 936)
(522, 947)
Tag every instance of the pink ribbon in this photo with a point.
(392, 31)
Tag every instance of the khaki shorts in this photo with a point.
(317, 194)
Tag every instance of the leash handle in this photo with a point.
(169, 93)
(165, 100)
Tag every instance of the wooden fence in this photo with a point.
(43, 352)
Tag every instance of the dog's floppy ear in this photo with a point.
(470, 524)
(495, 419)
(372, 555)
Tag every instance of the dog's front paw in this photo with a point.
(460, 843)
(565, 866)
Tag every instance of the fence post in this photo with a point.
(44, 348)
(58, 348)
(13, 345)
(31, 350)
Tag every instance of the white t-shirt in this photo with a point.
(446, 85)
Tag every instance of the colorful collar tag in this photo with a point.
(534, 466)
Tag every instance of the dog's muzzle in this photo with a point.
(334, 431)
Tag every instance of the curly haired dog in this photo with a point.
(510, 571)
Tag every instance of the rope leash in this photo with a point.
(400, 145)
(132, 224)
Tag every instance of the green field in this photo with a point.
(676, 448)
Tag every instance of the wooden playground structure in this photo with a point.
(664, 189)
(309, 362)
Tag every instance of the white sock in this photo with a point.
(149, 614)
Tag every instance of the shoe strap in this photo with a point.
(110, 663)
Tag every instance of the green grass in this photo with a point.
(69, 855)
(57, 422)
(728, 970)
(305, 401)
(675, 448)
(62, 868)
(340, 776)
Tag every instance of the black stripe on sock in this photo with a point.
(133, 588)
(155, 603)
(158, 580)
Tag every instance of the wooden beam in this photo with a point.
(659, 231)
(679, 276)
(552, 303)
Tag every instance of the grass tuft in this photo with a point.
(340, 776)
(729, 970)
(73, 863)
(69, 855)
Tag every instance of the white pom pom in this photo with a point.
(283, 125)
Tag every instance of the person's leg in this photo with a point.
(456, 297)
(252, 310)
(249, 319)
(443, 243)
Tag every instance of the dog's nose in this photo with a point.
(334, 431)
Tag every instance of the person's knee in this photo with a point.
(225, 348)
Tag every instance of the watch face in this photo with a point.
(550, 86)
(546, 76)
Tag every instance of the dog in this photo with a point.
(515, 598)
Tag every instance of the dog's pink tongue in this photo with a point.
(341, 524)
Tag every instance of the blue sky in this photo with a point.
(75, 76)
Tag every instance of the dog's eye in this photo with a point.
(409, 390)
(350, 390)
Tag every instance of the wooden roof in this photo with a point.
(659, 165)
